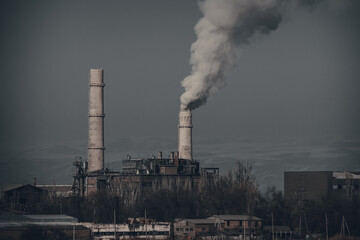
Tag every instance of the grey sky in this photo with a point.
(301, 80)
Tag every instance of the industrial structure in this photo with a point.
(219, 227)
(19, 227)
(315, 186)
(160, 230)
(185, 135)
(138, 175)
(96, 120)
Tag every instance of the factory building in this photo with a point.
(179, 169)
(228, 226)
(42, 227)
(159, 230)
(316, 186)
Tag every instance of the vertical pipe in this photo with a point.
(185, 135)
(96, 120)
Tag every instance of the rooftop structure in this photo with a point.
(41, 227)
(36, 219)
(218, 225)
(129, 231)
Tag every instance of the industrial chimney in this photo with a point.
(185, 135)
(96, 120)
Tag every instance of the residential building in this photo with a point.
(192, 228)
(240, 224)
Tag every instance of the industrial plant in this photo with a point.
(138, 174)
(169, 196)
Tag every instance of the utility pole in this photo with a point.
(272, 225)
(114, 224)
(300, 191)
(343, 229)
(327, 231)
(300, 226)
(244, 222)
(145, 227)
(74, 229)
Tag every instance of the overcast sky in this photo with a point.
(301, 80)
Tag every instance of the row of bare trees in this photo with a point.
(236, 192)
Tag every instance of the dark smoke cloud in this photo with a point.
(224, 28)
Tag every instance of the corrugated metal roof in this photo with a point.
(278, 228)
(37, 218)
(234, 217)
(6, 187)
(345, 175)
(203, 221)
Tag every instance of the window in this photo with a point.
(177, 229)
(228, 223)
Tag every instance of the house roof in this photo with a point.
(346, 175)
(26, 188)
(202, 221)
(7, 187)
(234, 217)
(278, 228)
(61, 188)
(17, 221)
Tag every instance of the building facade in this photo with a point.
(231, 226)
(316, 186)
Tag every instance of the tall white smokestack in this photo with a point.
(185, 135)
(96, 120)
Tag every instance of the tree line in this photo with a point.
(235, 192)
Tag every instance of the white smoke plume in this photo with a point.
(226, 25)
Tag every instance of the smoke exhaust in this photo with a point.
(185, 135)
(96, 120)
(226, 26)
